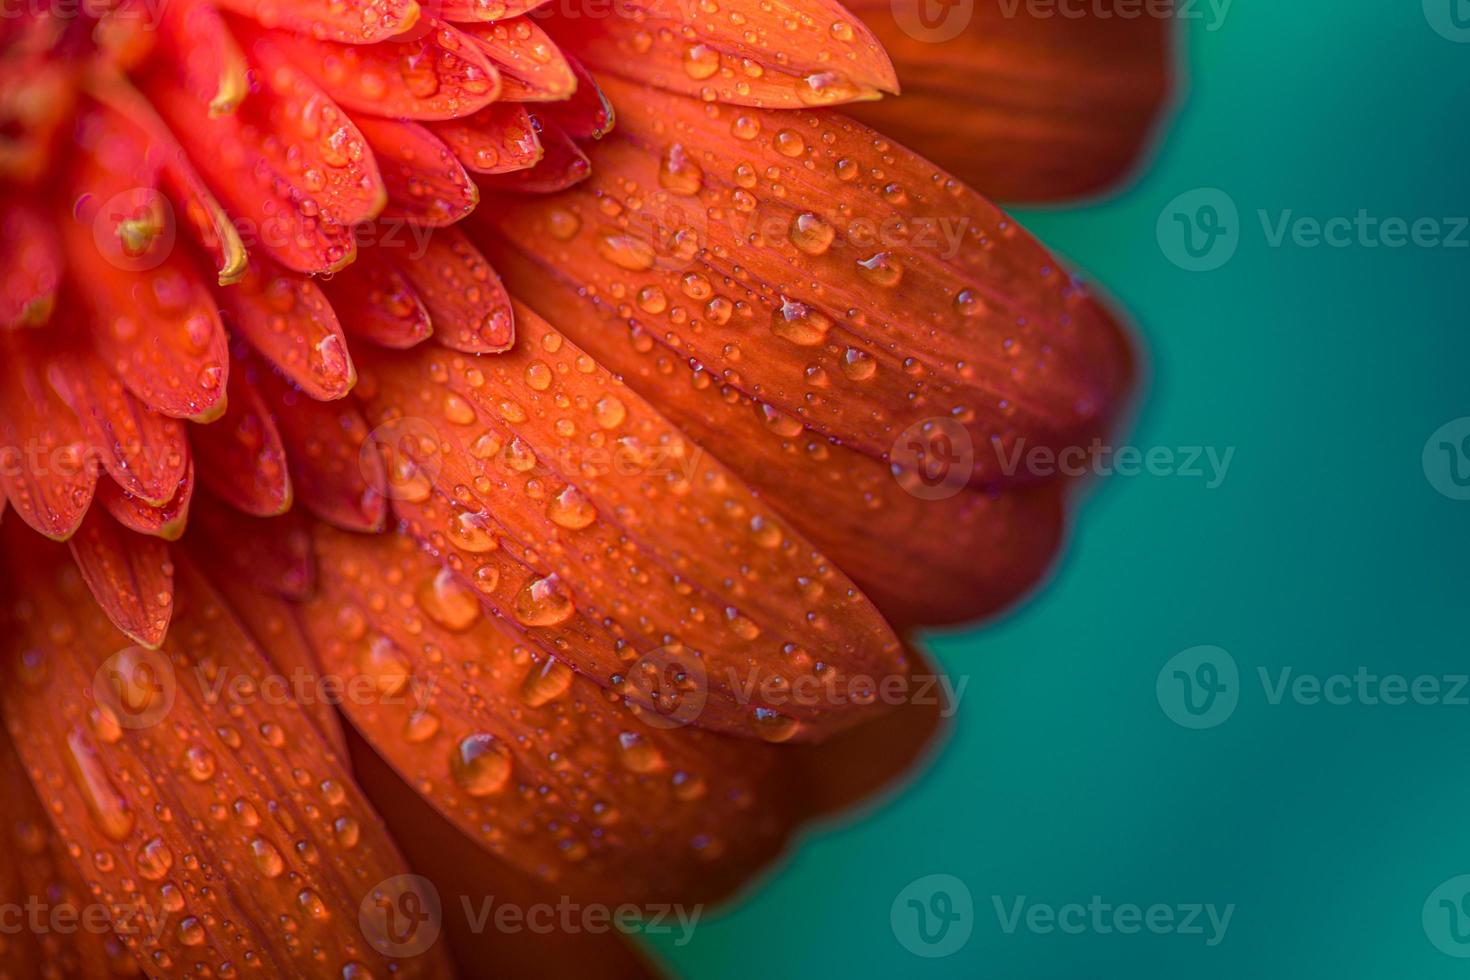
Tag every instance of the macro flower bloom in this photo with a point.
(498, 443)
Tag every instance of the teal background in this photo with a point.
(1324, 550)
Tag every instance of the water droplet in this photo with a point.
(481, 764)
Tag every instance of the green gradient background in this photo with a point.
(1325, 549)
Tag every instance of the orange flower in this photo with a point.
(587, 471)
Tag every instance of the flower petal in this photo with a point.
(1025, 108)
(375, 302)
(586, 517)
(195, 39)
(426, 182)
(497, 139)
(44, 466)
(268, 554)
(30, 264)
(241, 457)
(130, 575)
(333, 476)
(774, 54)
(587, 115)
(350, 23)
(146, 453)
(438, 74)
(846, 283)
(522, 754)
(136, 514)
(561, 165)
(532, 67)
(289, 322)
(467, 305)
(469, 11)
(166, 778)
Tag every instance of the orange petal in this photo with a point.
(241, 457)
(530, 759)
(438, 74)
(586, 517)
(267, 554)
(462, 871)
(587, 115)
(166, 769)
(532, 67)
(497, 139)
(130, 575)
(146, 453)
(1024, 108)
(775, 54)
(426, 182)
(289, 322)
(469, 11)
(136, 514)
(45, 468)
(375, 302)
(38, 869)
(562, 164)
(289, 163)
(467, 304)
(350, 23)
(334, 477)
(842, 281)
(195, 39)
(30, 264)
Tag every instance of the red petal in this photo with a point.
(30, 264)
(466, 11)
(704, 228)
(166, 522)
(146, 453)
(195, 39)
(289, 322)
(375, 302)
(587, 115)
(241, 457)
(562, 165)
(176, 778)
(619, 537)
(532, 67)
(334, 477)
(528, 758)
(440, 74)
(130, 575)
(466, 302)
(497, 139)
(267, 554)
(774, 55)
(1025, 108)
(351, 23)
(45, 468)
(426, 182)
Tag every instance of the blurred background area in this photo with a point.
(1333, 547)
